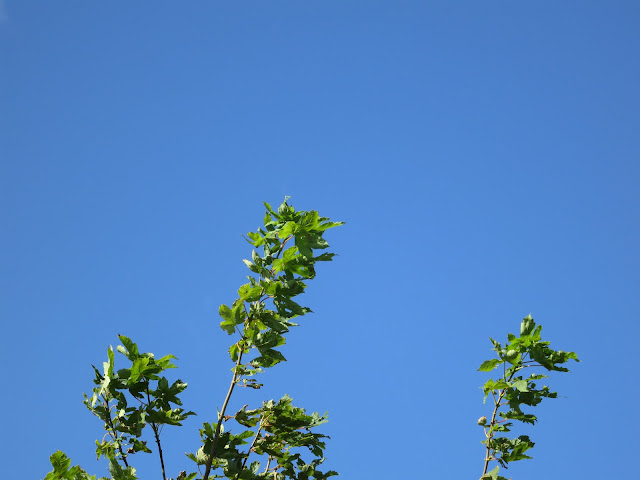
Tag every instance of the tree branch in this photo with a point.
(115, 434)
(244, 462)
(488, 456)
(156, 434)
(214, 444)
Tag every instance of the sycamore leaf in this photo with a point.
(489, 365)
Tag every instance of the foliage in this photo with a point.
(114, 394)
(130, 399)
(278, 437)
(62, 469)
(512, 391)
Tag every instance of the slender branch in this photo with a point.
(234, 381)
(283, 244)
(280, 250)
(488, 456)
(115, 437)
(220, 418)
(156, 434)
(244, 462)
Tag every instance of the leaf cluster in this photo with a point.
(512, 391)
(261, 317)
(127, 401)
(62, 469)
(277, 431)
(263, 312)
(281, 435)
(130, 399)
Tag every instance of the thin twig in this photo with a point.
(220, 418)
(280, 251)
(156, 434)
(244, 462)
(488, 456)
(115, 437)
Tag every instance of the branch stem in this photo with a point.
(214, 444)
(156, 434)
(244, 462)
(115, 434)
(488, 456)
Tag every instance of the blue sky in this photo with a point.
(485, 156)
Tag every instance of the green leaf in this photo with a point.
(289, 228)
(249, 293)
(269, 339)
(228, 326)
(512, 356)
(521, 385)
(521, 417)
(268, 358)
(309, 220)
(131, 351)
(252, 266)
(289, 309)
(108, 366)
(492, 475)
(60, 462)
(489, 365)
(238, 311)
(200, 457)
(517, 448)
(538, 353)
(140, 446)
(256, 238)
(62, 469)
(495, 385)
(270, 287)
(326, 225)
(562, 357)
(270, 211)
(118, 472)
(138, 369)
(165, 362)
(284, 207)
(225, 312)
(234, 351)
(317, 242)
(290, 254)
(303, 246)
(325, 257)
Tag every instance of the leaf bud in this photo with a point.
(482, 421)
(527, 325)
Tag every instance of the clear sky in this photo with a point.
(485, 156)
